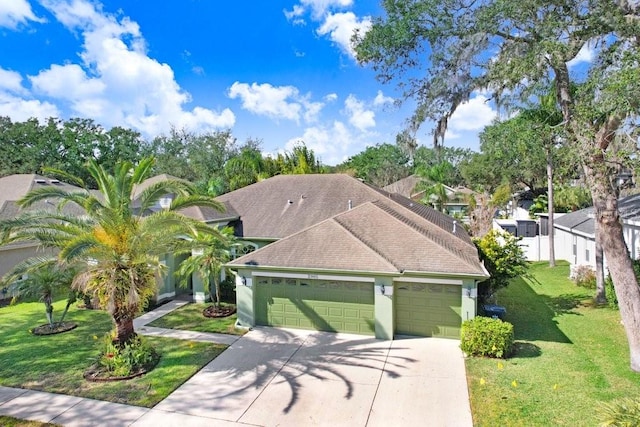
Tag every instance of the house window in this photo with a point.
(245, 248)
(586, 255)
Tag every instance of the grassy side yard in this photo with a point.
(56, 363)
(189, 318)
(570, 357)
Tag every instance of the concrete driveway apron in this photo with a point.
(282, 377)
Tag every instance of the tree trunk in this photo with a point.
(124, 329)
(552, 250)
(601, 293)
(48, 304)
(605, 202)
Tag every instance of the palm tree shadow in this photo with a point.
(273, 357)
(324, 357)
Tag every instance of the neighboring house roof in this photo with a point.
(405, 187)
(581, 221)
(200, 213)
(379, 236)
(15, 187)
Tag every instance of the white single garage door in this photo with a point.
(428, 309)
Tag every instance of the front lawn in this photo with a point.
(571, 357)
(6, 421)
(189, 318)
(56, 363)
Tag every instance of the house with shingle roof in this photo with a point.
(458, 203)
(335, 254)
(575, 232)
(12, 189)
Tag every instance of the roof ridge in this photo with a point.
(365, 242)
(425, 232)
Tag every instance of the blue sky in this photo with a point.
(279, 71)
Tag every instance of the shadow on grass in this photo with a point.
(533, 315)
(523, 350)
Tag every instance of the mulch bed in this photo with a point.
(57, 328)
(216, 312)
(98, 374)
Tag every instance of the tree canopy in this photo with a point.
(443, 52)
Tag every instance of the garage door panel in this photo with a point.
(313, 304)
(428, 309)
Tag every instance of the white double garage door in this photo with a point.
(342, 306)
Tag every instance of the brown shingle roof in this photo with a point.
(201, 213)
(405, 187)
(375, 236)
(15, 187)
(283, 205)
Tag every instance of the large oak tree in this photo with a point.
(442, 51)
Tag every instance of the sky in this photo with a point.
(283, 72)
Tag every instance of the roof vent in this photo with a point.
(41, 181)
(54, 181)
(289, 201)
(350, 205)
(454, 226)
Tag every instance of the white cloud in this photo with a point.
(16, 12)
(276, 102)
(332, 144)
(340, 27)
(585, 55)
(317, 7)
(359, 116)
(13, 103)
(331, 97)
(472, 115)
(117, 83)
(381, 99)
(11, 81)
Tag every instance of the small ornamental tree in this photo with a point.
(44, 278)
(503, 258)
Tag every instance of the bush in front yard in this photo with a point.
(484, 336)
(584, 276)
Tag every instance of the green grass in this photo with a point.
(6, 421)
(189, 318)
(570, 357)
(56, 363)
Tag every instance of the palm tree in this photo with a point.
(117, 243)
(433, 184)
(208, 257)
(44, 278)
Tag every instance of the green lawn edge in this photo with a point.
(572, 357)
(189, 318)
(56, 363)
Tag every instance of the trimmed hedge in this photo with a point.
(484, 336)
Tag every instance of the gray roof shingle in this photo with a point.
(383, 232)
(375, 236)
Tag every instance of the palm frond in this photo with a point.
(66, 176)
(152, 194)
(196, 200)
(49, 193)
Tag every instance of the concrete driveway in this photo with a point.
(279, 377)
